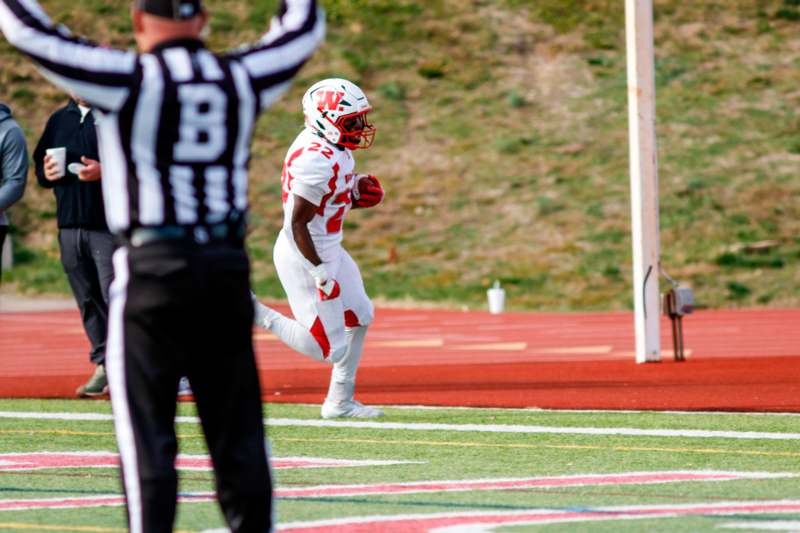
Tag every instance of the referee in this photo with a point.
(174, 140)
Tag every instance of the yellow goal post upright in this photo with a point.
(644, 178)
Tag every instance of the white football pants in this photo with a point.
(331, 330)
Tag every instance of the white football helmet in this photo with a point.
(337, 109)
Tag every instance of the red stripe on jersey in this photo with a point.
(286, 176)
(332, 187)
(287, 185)
(293, 157)
(318, 331)
(343, 198)
(334, 224)
(350, 319)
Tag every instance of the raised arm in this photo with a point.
(101, 76)
(294, 33)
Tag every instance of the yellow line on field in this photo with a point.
(711, 451)
(551, 446)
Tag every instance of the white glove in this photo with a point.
(324, 283)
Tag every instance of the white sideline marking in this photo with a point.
(475, 428)
(540, 410)
(500, 428)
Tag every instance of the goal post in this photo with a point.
(644, 178)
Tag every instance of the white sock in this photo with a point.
(343, 376)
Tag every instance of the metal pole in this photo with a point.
(644, 177)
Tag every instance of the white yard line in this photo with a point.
(472, 428)
(539, 410)
(504, 428)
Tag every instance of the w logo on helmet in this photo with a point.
(329, 100)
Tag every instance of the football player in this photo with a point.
(322, 282)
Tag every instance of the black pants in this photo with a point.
(180, 309)
(86, 258)
(3, 233)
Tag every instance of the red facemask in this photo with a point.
(357, 132)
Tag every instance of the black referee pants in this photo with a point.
(184, 309)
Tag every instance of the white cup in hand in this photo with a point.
(59, 155)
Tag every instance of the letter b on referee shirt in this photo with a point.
(203, 137)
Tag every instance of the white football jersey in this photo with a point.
(322, 173)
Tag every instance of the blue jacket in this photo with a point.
(13, 162)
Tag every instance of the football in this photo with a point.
(368, 192)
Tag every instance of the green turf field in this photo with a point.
(439, 445)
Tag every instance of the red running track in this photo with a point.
(743, 360)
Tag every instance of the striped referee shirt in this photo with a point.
(177, 122)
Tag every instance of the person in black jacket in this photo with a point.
(83, 236)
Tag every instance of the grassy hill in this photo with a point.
(502, 144)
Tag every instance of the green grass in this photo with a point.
(39, 270)
(444, 455)
(502, 145)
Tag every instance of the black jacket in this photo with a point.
(79, 204)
